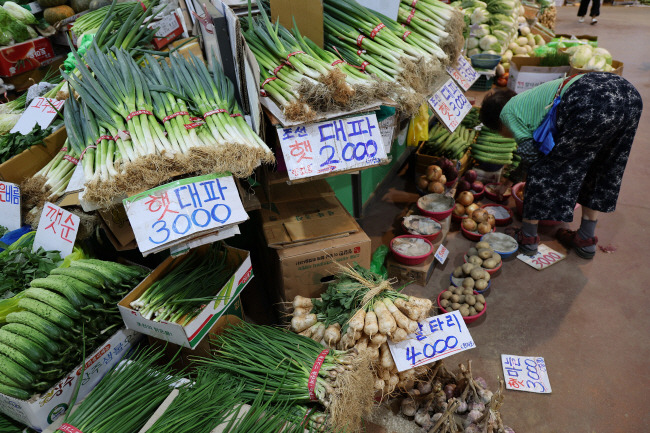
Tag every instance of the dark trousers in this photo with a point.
(595, 8)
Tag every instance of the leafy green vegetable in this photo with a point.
(14, 143)
(3, 231)
(18, 267)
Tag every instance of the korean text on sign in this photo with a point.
(463, 73)
(57, 230)
(337, 145)
(525, 373)
(450, 105)
(184, 209)
(41, 111)
(437, 338)
(9, 205)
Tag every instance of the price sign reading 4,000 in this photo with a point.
(338, 145)
(450, 105)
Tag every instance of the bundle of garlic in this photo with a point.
(361, 309)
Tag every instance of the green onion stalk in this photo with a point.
(280, 362)
(181, 294)
(128, 395)
(93, 20)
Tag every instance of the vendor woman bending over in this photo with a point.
(596, 119)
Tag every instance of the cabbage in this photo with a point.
(479, 16)
(490, 52)
(603, 52)
(472, 43)
(524, 30)
(502, 36)
(531, 39)
(469, 53)
(596, 63)
(513, 46)
(522, 41)
(539, 40)
(521, 50)
(482, 30)
(507, 56)
(521, 20)
(581, 56)
(490, 42)
(572, 49)
(19, 13)
(5, 38)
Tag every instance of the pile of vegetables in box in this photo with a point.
(523, 46)
(16, 24)
(590, 58)
(492, 24)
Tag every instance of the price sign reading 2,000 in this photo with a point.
(547, 259)
(351, 151)
(431, 350)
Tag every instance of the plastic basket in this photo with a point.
(483, 83)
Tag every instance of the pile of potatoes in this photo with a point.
(483, 255)
(474, 277)
(462, 299)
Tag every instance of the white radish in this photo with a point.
(302, 302)
(379, 384)
(373, 352)
(301, 311)
(385, 357)
(384, 374)
(319, 332)
(310, 331)
(362, 344)
(370, 327)
(300, 323)
(347, 342)
(422, 305)
(399, 335)
(379, 339)
(357, 321)
(392, 382)
(385, 320)
(332, 334)
(404, 307)
(410, 326)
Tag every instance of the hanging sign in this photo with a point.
(450, 105)
(179, 211)
(438, 337)
(10, 206)
(525, 373)
(335, 145)
(39, 112)
(463, 73)
(544, 258)
(57, 230)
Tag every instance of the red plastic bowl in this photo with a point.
(430, 238)
(519, 203)
(457, 218)
(478, 194)
(500, 221)
(435, 215)
(410, 260)
(471, 235)
(492, 196)
(489, 271)
(468, 319)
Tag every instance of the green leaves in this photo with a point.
(20, 266)
(14, 143)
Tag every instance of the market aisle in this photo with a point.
(588, 319)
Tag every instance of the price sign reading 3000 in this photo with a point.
(450, 105)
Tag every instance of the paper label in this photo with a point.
(544, 258)
(183, 210)
(438, 338)
(337, 145)
(450, 105)
(463, 73)
(39, 112)
(441, 254)
(10, 206)
(57, 230)
(168, 24)
(525, 373)
(77, 180)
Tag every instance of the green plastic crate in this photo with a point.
(483, 83)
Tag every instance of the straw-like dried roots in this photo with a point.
(353, 397)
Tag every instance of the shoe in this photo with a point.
(593, 21)
(581, 19)
(570, 239)
(527, 244)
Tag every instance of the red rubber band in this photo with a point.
(376, 30)
(267, 81)
(362, 68)
(235, 115)
(413, 3)
(193, 125)
(72, 159)
(359, 52)
(311, 383)
(83, 152)
(406, 35)
(138, 113)
(217, 111)
(294, 53)
(178, 113)
(63, 149)
(105, 137)
(277, 69)
(360, 39)
(410, 17)
(336, 62)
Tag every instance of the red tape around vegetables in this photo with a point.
(311, 383)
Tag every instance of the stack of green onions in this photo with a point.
(91, 21)
(127, 396)
(180, 294)
(281, 362)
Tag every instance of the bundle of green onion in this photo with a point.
(118, 13)
(293, 368)
(180, 295)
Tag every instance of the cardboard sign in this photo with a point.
(57, 230)
(544, 258)
(438, 338)
(463, 73)
(39, 112)
(525, 373)
(337, 145)
(450, 105)
(179, 211)
(441, 254)
(10, 206)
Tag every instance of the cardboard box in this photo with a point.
(618, 69)
(169, 29)
(308, 230)
(31, 160)
(42, 410)
(191, 334)
(525, 73)
(118, 228)
(23, 57)
(308, 16)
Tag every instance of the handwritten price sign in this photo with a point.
(39, 112)
(57, 230)
(337, 145)
(438, 338)
(182, 210)
(450, 105)
(9, 206)
(525, 373)
(463, 73)
(544, 258)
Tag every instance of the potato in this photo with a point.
(497, 257)
(455, 306)
(477, 273)
(480, 298)
(479, 306)
(472, 252)
(468, 292)
(472, 311)
(486, 276)
(458, 290)
(490, 264)
(480, 285)
(455, 298)
(475, 260)
(464, 311)
(468, 283)
(485, 253)
(444, 303)
(470, 300)
(446, 294)
(461, 299)
(467, 268)
(482, 244)
(458, 272)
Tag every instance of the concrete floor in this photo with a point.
(588, 319)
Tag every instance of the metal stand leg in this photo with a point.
(355, 178)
